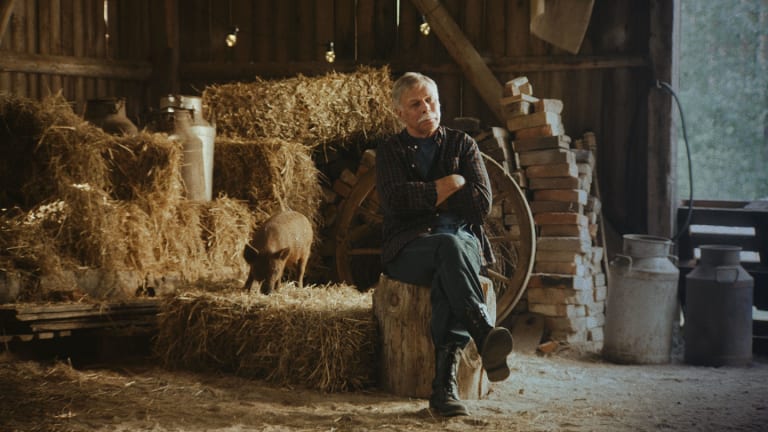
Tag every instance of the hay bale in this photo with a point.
(321, 337)
(145, 167)
(316, 111)
(269, 173)
(74, 197)
(45, 147)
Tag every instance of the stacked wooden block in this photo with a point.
(568, 286)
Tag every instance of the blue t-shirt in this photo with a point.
(425, 155)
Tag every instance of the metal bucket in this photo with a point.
(641, 302)
(200, 127)
(718, 309)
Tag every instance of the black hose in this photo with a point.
(668, 88)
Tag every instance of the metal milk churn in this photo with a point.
(642, 302)
(200, 127)
(718, 309)
(177, 124)
(109, 114)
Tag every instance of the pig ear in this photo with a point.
(283, 254)
(250, 252)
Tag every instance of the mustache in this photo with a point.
(427, 116)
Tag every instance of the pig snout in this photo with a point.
(284, 240)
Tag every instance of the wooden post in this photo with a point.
(472, 65)
(403, 315)
(662, 149)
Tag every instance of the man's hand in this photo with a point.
(447, 186)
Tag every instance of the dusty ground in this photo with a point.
(567, 392)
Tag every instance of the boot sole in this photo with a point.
(496, 347)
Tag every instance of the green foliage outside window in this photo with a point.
(724, 92)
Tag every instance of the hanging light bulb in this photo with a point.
(231, 39)
(424, 26)
(330, 53)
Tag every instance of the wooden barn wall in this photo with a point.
(63, 31)
(604, 88)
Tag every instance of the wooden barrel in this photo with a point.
(407, 360)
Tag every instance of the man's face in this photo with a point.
(420, 111)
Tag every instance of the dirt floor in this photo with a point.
(568, 391)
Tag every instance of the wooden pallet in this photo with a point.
(26, 321)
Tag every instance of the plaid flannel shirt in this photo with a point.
(408, 200)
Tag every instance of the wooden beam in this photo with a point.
(662, 148)
(472, 65)
(209, 71)
(6, 9)
(74, 66)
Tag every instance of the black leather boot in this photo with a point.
(493, 343)
(445, 391)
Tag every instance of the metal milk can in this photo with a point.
(200, 127)
(641, 302)
(718, 309)
(177, 124)
(109, 114)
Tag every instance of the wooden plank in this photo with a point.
(20, 79)
(82, 325)
(243, 49)
(44, 44)
(408, 34)
(67, 45)
(323, 28)
(496, 27)
(100, 43)
(472, 65)
(365, 30)
(344, 38)
(747, 243)
(284, 42)
(263, 30)
(386, 28)
(33, 81)
(516, 29)
(112, 31)
(87, 314)
(6, 43)
(75, 66)
(304, 32)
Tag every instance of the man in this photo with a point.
(435, 194)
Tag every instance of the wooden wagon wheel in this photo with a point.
(509, 227)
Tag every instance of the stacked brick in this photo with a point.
(568, 284)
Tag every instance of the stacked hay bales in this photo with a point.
(78, 199)
(315, 111)
(322, 337)
(270, 173)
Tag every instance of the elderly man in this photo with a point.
(435, 194)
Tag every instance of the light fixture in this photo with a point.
(231, 39)
(330, 53)
(424, 26)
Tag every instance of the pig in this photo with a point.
(283, 240)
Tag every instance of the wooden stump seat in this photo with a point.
(407, 365)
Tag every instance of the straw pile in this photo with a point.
(78, 197)
(315, 111)
(322, 337)
(270, 173)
